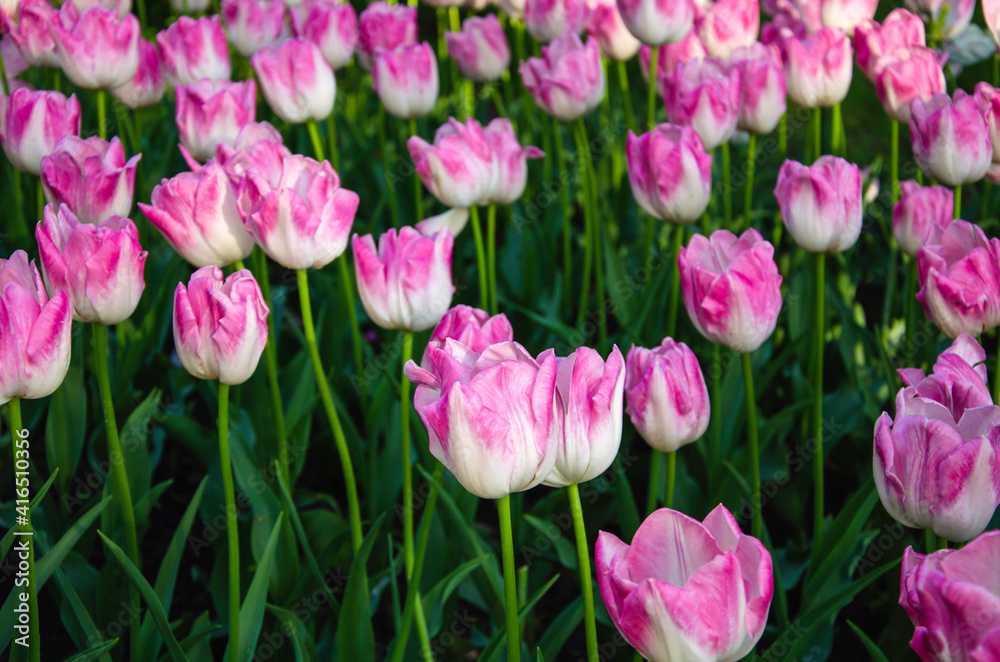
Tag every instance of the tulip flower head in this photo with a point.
(821, 204)
(471, 327)
(900, 29)
(32, 124)
(847, 14)
(384, 26)
(192, 49)
(511, 161)
(657, 22)
(921, 216)
(296, 80)
(762, 87)
(704, 94)
(950, 138)
(331, 26)
(567, 82)
(97, 50)
(90, 176)
(480, 50)
(725, 25)
(406, 80)
(211, 113)
(30, 32)
(460, 168)
(606, 26)
(905, 75)
(253, 24)
(670, 172)
(819, 68)
(146, 87)
(548, 19)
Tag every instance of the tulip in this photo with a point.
(468, 398)
(253, 24)
(296, 80)
(686, 590)
(460, 168)
(220, 326)
(406, 80)
(192, 49)
(257, 147)
(384, 26)
(666, 396)
(13, 62)
(819, 68)
(120, 7)
(670, 173)
(472, 327)
(197, 214)
(31, 33)
(991, 12)
(211, 113)
(920, 217)
(99, 266)
(989, 101)
(821, 204)
(729, 24)
(331, 26)
(847, 14)
(872, 41)
(953, 601)
(731, 288)
(657, 22)
(548, 19)
(957, 19)
(762, 87)
(670, 55)
(950, 138)
(905, 75)
(567, 82)
(808, 14)
(480, 50)
(33, 123)
(35, 347)
(146, 87)
(299, 214)
(89, 176)
(704, 94)
(96, 49)
(935, 464)
(189, 6)
(960, 280)
(513, 9)
(613, 38)
(511, 161)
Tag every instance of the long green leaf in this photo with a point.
(8, 538)
(83, 617)
(559, 630)
(355, 637)
(871, 646)
(436, 598)
(498, 640)
(98, 652)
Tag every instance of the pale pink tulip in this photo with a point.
(96, 49)
(762, 87)
(900, 29)
(905, 75)
(192, 49)
(296, 80)
(821, 204)
(950, 138)
(819, 68)
(922, 214)
(460, 168)
(480, 50)
(606, 26)
(382, 25)
(33, 123)
(211, 113)
(725, 25)
(30, 31)
(548, 19)
(253, 24)
(567, 82)
(657, 22)
(331, 26)
(471, 327)
(90, 176)
(705, 95)
(406, 80)
(670, 173)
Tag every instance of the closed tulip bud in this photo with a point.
(406, 80)
(762, 87)
(189, 6)
(480, 50)
(989, 101)
(704, 94)
(905, 75)
(384, 26)
(99, 266)
(31, 33)
(687, 590)
(726, 25)
(731, 288)
(950, 138)
(220, 326)
(819, 68)
(613, 38)
(460, 168)
(511, 161)
(96, 49)
(210, 113)
(935, 464)
(920, 217)
(296, 80)
(821, 204)
(89, 176)
(146, 87)
(192, 49)
(960, 280)
(548, 19)
(900, 29)
(471, 327)
(688, 48)
(567, 82)
(670, 172)
(957, 14)
(197, 214)
(33, 123)
(253, 24)
(467, 399)
(847, 14)
(299, 214)
(35, 348)
(331, 26)
(657, 22)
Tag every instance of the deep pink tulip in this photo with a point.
(331, 26)
(460, 168)
(253, 24)
(406, 80)
(957, 19)
(657, 22)
(821, 204)
(296, 80)
(960, 280)
(299, 214)
(922, 214)
(382, 25)
(670, 172)
(480, 50)
(936, 464)
(989, 101)
(606, 26)
(688, 48)
(666, 396)
(220, 326)
(212, 112)
(35, 344)
(725, 25)
(146, 87)
(99, 266)
(548, 19)
(731, 288)
(32, 123)
(31, 33)
(687, 590)
(89, 176)
(192, 49)
(905, 75)
(819, 68)
(950, 138)
(469, 400)
(511, 161)
(705, 95)
(96, 49)
(471, 327)
(197, 214)
(900, 29)
(847, 14)
(567, 82)
(953, 600)
(762, 87)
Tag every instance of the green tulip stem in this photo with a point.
(668, 493)
(509, 580)
(317, 141)
(654, 63)
(102, 112)
(34, 633)
(232, 532)
(586, 585)
(675, 281)
(757, 523)
(567, 232)
(418, 185)
(727, 188)
(820, 331)
(655, 476)
(477, 234)
(491, 255)
(894, 162)
(748, 189)
(626, 95)
(958, 201)
(404, 431)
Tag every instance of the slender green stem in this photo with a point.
(102, 125)
(996, 69)
(757, 524)
(404, 431)
(727, 188)
(331, 131)
(231, 525)
(716, 419)
(837, 144)
(119, 476)
(442, 27)
(141, 9)
(668, 493)
(783, 136)
(909, 304)
(271, 363)
(748, 189)
(894, 162)
(675, 281)
(425, 640)
(586, 585)
(477, 234)
(655, 476)
(418, 186)
(386, 158)
(498, 102)
(317, 141)
(820, 331)
(626, 95)
(34, 631)
(509, 580)
(567, 237)
(596, 228)
(350, 484)
(19, 231)
(817, 131)
(654, 63)
(491, 255)
(347, 286)
(958, 201)
(942, 543)
(930, 542)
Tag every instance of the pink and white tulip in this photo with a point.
(921, 216)
(670, 172)
(762, 87)
(31, 33)
(818, 68)
(480, 50)
(406, 80)
(96, 49)
(331, 26)
(511, 162)
(900, 30)
(821, 204)
(471, 327)
(704, 94)
(146, 87)
(384, 26)
(725, 25)
(33, 123)
(731, 288)
(192, 49)
(548, 19)
(688, 48)
(991, 13)
(189, 6)
(957, 19)
(121, 7)
(666, 396)
(687, 590)
(253, 24)
(905, 75)
(989, 101)
(567, 82)
(950, 138)
(296, 80)
(657, 22)
(90, 176)
(220, 326)
(460, 168)
(847, 14)
(606, 26)
(210, 113)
